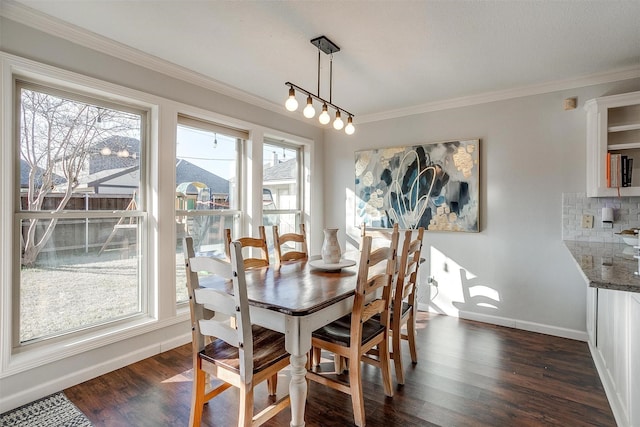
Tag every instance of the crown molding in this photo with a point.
(483, 98)
(42, 22)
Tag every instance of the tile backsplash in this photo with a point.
(626, 214)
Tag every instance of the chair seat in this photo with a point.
(268, 349)
(339, 331)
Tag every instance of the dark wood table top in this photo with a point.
(294, 288)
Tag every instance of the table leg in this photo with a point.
(298, 389)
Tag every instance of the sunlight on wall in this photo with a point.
(481, 291)
(458, 289)
(446, 274)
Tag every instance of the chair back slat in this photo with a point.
(406, 279)
(212, 265)
(215, 300)
(374, 307)
(259, 243)
(220, 329)
(379, 255)
(300, 251)
(376, 271)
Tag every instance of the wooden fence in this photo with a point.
(84, 235)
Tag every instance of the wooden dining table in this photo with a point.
(295, 299)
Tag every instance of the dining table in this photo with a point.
(295, 298)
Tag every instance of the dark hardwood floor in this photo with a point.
(468, 374)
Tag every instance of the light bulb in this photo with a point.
(338, 123)
(324, 116)
(292, 102)
(106, 151)
(349, 129)
(309, 111)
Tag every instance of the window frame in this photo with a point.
(13, 69)
(164, 326)
(20, 215)
(300, 154)
(241, 137)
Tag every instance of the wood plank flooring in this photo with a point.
(468, 374)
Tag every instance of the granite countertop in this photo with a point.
(607, 265)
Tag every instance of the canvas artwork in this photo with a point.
(435, 186)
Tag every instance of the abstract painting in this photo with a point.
(435, 186)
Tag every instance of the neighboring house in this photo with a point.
(114, 169)
(114, 153)
(25, 170)
(280, 180)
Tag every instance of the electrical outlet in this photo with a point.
(587, 221)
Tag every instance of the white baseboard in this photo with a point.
(517, 324)
(44, 389)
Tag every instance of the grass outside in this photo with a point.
(62, 294)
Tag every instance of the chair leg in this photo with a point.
(272, 385)
(357, 399)
(338, 364)
(197, 397)
(396, 340)
(316, 351)
(385, 366)
(411, 334)
(245, 417)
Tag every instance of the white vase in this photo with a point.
(330, 247)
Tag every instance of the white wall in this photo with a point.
(532, 151)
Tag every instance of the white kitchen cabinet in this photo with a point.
(615, 352)
(613, 126)
(634, 359)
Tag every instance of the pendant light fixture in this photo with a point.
(328, 47)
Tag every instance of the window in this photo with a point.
(281, 189)
(208, 160)
(80, 215)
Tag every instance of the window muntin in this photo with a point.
(79, 220)
(208, 159)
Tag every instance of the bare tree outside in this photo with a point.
(57, 135)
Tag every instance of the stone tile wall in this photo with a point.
(626, 215)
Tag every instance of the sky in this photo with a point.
(216, 152)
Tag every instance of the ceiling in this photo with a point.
(395, 55)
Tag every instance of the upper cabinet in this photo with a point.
(613, 145)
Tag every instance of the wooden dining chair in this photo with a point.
(404, 304)
(352, 336)
(243, 355)
(299, 252)
(251, 242)
(379, 236)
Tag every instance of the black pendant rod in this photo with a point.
(317, 98)
(328, 47)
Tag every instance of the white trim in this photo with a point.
(13, 400)
(42, 22)
(516, 324)
(51, 352)
(483, 98)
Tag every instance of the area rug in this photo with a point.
(51, 411)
